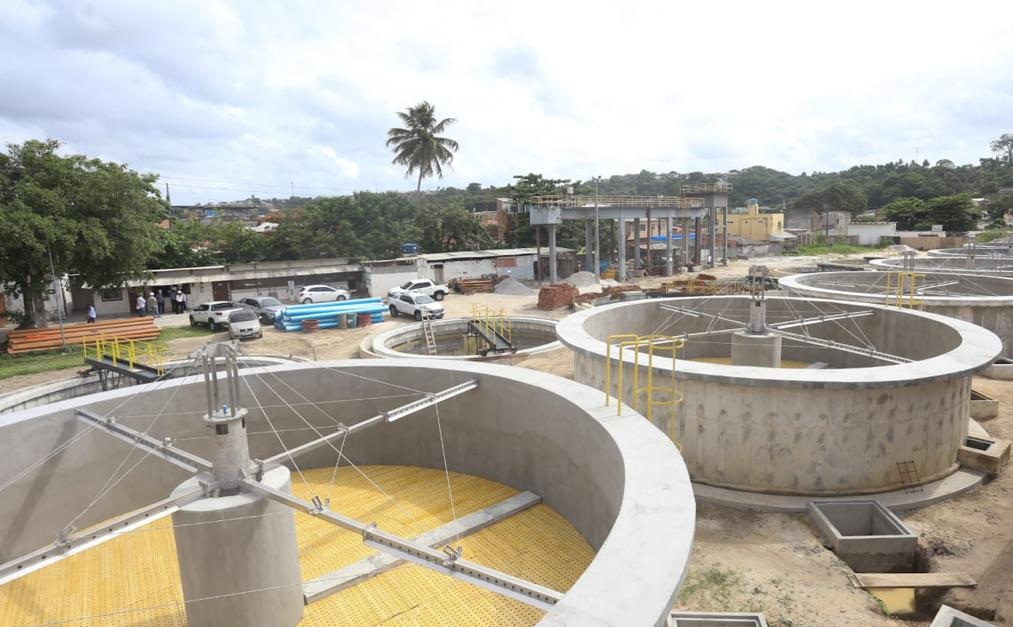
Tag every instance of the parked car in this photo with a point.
(424, 286)
(321, 294)
(267, 307)
(415, 305)
(214, 314)
(244, 323)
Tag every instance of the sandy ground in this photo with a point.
(749, 561)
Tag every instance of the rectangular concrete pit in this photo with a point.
(712, 619)
(949, 617)
(866, 535)
(984, 454)
(983, 406)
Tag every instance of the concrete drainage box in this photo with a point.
(724, 619)
(866, 535)
(984, 454)
(949, 617)
(983, 406)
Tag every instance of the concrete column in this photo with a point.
(553, 270)
(686, 240)
(621, 272)
(696, 247)
(724, 238)
(588, 250)
(670, 266)
(712, 232)
(756, 350)
(255, 550)
(636, 243)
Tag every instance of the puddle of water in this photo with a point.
(896, 600)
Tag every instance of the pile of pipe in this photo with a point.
(327, 313)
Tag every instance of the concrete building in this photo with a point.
(871, 233)
(749, 223)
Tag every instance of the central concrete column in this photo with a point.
(621, 271)
(636, 243)
(588, 250)
(553, 270)
(685, 240)
(238, 558)
(749, 349)
(670, 266)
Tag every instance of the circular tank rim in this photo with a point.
(794, 284)
(654, 526)
(990, 272)
(977, 350)
(377, 344)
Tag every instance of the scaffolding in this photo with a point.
(590, 201)
(656, 393)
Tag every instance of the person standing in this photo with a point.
(160, 296)
(91, 313)
(172, 300)
(181, 299)
(153, 305)
(140, 305)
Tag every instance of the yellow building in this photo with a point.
(750, 224)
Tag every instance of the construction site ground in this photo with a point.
(744, 561)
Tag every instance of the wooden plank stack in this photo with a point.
(474, 286)
(26, 340)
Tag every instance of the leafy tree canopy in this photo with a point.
(96, 218)
(954, 213)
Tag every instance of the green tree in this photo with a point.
(419, 147)
(1003, 147)
(834, 197)
(956, 213)
(97, 219)
(449, 229)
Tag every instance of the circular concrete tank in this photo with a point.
(531, 336)
(838, 428)
(619, 482)
(986, 266)
(985, 250)
(986, 301)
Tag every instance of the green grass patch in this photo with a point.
(710, 589)
(992, 235)
(40, 361)
(174, 333)
(835, 249)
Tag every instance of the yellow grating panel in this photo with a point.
(133, 581)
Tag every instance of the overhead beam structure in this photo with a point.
(163, 449)
(382, 418)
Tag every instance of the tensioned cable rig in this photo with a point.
(216, 484)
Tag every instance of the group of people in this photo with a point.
(154, 304)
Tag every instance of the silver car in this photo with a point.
(244, 324)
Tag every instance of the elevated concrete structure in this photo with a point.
(986, 301)
(619, 481)
(830, 431)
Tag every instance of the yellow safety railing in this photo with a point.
(902, 289)
(492, 321)
(645, 346)
(126, 352)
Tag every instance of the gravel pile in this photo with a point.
(581, 279)
(513, 287)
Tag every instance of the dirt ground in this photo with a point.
(742, 561)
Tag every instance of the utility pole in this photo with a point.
(292, 185)
(58, 288)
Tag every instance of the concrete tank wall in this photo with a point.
(619, 482)
(826, 431)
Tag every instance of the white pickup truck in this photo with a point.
(215, 314)
(436, 291)
(415, 305)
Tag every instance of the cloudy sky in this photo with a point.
(227, 99)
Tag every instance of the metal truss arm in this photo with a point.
(389, 416)
(446, 561)
(70, 542)
(143, 441)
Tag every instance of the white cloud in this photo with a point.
(229, 98)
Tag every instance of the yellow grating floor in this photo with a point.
(133, 581)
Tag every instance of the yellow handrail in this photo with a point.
(902, 288)
(133, 352)
(664, 344)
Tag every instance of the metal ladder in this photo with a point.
(427, 330)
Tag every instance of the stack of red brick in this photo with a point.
(556, 296)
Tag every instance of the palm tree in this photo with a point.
(418, 146)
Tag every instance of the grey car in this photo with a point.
(267, 307)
